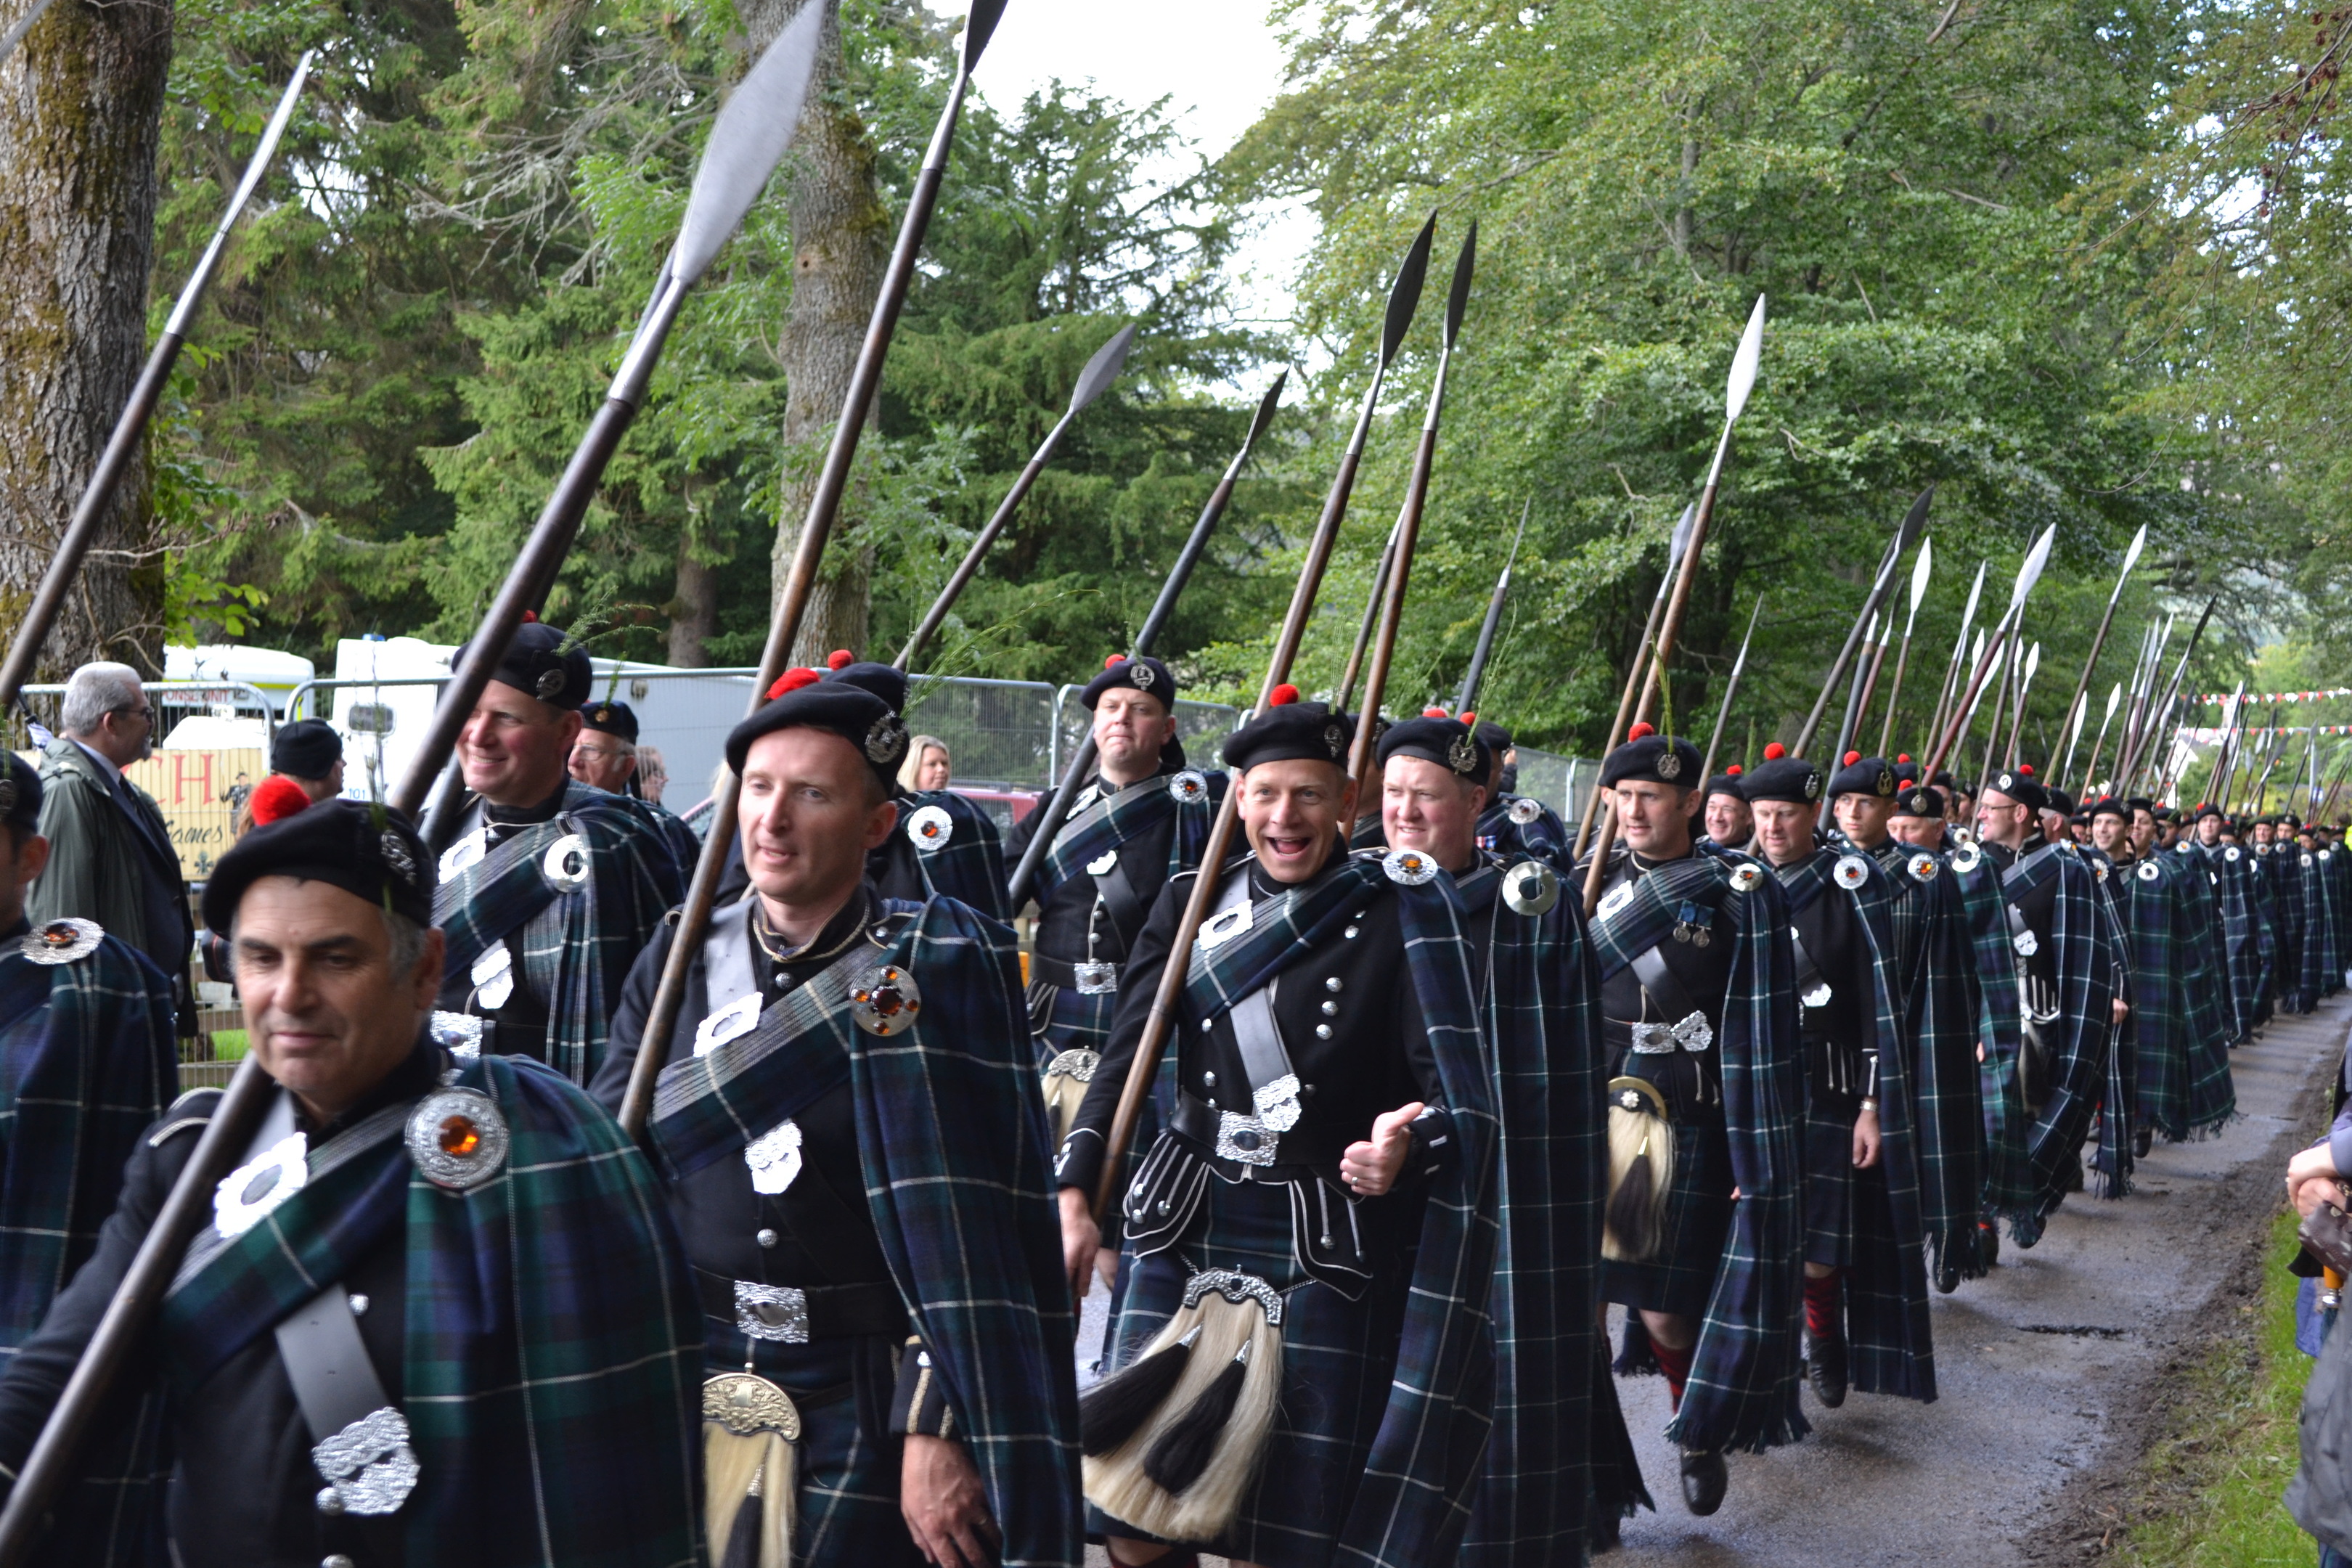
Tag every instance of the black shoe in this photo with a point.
(1606, 1534)
(1989, 1241)
(1948, 1278)
(2142, 1141)
(1825, 1370)
(1705, 1479)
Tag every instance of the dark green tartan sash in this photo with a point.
(710, 1106)
(231, 1290)
(496, 894)
(1103, 827)
(1282, 930)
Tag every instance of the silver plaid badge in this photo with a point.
(368, 1465)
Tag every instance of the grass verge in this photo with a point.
(2212, 1488)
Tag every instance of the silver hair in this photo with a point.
(95, 690)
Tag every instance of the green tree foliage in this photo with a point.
(1901, 181)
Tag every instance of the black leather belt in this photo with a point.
(1058, 971)
(802, 1314)
(1193, 1121)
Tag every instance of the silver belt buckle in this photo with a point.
(1245, 1139)
(777, 1313)
(1692, 1033)
(1096, 979)
(1653, 1040)
(368, 1467)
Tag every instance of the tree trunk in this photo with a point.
(694, 610)
(840, 248)
(80, 115)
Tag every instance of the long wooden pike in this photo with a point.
(1882, 636)
(1363, 756)
(1945, 690)
(1880, 587)
(1742, 382)
(1056, 810)
(1405, 299)
(1730, 690)
(2180, 673)
(2135, 687)
(1675, 542)
(2139, 711)
(753, 130)
(1467, 702)
(1093, 382)
(130, 426)
(1371, 620)
(2098, 641)
(2091, 774)
(2025, 674)
(1922, 569)
(2029, 574)
(800, 582)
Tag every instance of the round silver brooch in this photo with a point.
(565, 864)
(1189, 786)
(62, 941)
(1669, 765)
(1922, 867)
(1142, 676)
(884, 1001)
(2149, 872)
(1744, 877)
(930, 828)
(2231, 855)
(1852, 871)
(456, 1138)
(1529, 888)
(1966, 858)
(1409, 867)
(1524, 812)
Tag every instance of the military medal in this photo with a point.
(1691, 923)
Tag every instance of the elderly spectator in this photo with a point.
(606, 755)
(110, 855)
(310, 753)
(927, 766)
(653, 776)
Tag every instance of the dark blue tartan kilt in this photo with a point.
(1064, 1018)
(847, 1465)
(1338, 1358)
(1699, 1220)
(1829, 1178)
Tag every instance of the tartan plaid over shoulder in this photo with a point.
(2082, 1056)
(1944, 1019)
(1111, 821)
(553, 1365)
(970, 867)
(88, 1059)
(1887, 1289)
(1742, 1392)
(2009, 1179)
(2178, 1028)
(1540, 1010)
(573, 948)
(1543, 837)
(951, 1138)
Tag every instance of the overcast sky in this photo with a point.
(1219, 60)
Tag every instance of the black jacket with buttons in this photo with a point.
(1348, 1020)
(1074, 908)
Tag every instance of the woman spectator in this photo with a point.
(926, 766)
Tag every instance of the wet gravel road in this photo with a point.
(2049, 1370)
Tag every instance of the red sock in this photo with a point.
(1822, 1313)
(1677, 1365)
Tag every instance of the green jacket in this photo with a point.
(103, 869)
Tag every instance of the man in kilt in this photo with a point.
(2280, 869)
(849, 1122)
(1700, 1030)
(604, 756)
(1328, 1193)
(550, 887)
(2069, 971)
(1865, 1283)
(2180, 1058)
(1558, 1429)
(1141, 818)
(2312, 888)
(500, 1366)
(2229, 875)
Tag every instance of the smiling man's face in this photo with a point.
(1294, 811)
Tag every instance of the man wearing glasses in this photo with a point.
(111, 856)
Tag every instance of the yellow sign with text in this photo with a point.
(200, 793)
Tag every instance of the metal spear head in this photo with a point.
(1975, 592)
(1404, 294)
(1743, 363)
(979, 27)
(748, 140)
(2115, 695)
(2131, 557)
(2032, 662)
(1104, 368)
(1921, 569)
(2030, 571)
(1457, 299)
(1976, 649)
(1674, 542)
(1265, 407)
